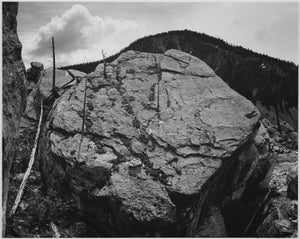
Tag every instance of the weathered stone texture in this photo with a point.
(155, 126)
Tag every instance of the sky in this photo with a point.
(83, 29)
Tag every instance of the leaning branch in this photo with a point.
(30, 164)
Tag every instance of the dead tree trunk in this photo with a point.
(30, 164)
(104, 64)
(53, 54)
(277, 116)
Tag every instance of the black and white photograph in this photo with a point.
(149, 119)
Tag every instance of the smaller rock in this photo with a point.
(272, 131)
(291, 156)
(278, 182)
(277, 137)
(37, 66)
(283, 226)
(293, 138)
(33, 74)
(262, 139)
(280, 222)
(266, 123)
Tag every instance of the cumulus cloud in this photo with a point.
(80, 37)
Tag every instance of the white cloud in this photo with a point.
(80, 37)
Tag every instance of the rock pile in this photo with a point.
(281, 210)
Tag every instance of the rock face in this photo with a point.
(14, 91)
(157, 128)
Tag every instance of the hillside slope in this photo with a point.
(271, 84)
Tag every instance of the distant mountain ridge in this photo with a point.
(270, 83)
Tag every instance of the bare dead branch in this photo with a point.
(30, 164)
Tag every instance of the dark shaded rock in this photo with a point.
(14, 93)
(281, 220)
(37, 66)
(34, 73)
(213, 225)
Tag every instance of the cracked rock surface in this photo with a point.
(155, 125)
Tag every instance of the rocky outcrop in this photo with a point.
(159, 132)
(280, 217)
(14, 92)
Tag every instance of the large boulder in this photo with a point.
(14, 92)
(157, 128)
